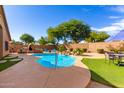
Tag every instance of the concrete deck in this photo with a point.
(94, 84)
(29, 74)
(93, 55)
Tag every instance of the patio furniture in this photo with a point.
(109, 56)
(119, 57)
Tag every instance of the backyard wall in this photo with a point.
(103, 45)
(35, 48)
(92, 47)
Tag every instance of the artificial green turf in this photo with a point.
(7, 64)
(105, 73)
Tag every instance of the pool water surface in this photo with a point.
(49, 60)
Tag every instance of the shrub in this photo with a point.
(74, 51)
(71, 49)
(101, 51)
(78, 51)
(115, 50)
(61, 48)
(84, 49)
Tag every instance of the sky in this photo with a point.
(35, 20)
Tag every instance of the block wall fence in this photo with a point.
(91, 47)
(35, 48)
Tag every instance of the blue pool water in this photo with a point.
(48, 60)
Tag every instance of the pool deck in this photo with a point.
(94, 84)
(29, 74)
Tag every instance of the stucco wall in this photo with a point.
(4, 37)
(1, 42)
(103, 45)
(92, 47)
(35, 48)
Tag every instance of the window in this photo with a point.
(6, 45)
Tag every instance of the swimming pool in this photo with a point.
(48, 60)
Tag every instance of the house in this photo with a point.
(5, 37)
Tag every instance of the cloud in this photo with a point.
(114, 17)
(113, 28)
(118, 8)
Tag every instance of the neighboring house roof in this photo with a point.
(118, 37)
(5, 21)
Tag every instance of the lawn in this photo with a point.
(10, 61)
(6, 65)
(109, 74)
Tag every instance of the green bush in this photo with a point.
(84, 49)
(61, 48)
(101, 51)
(78, 51)
(74, 51)
(115, 50)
